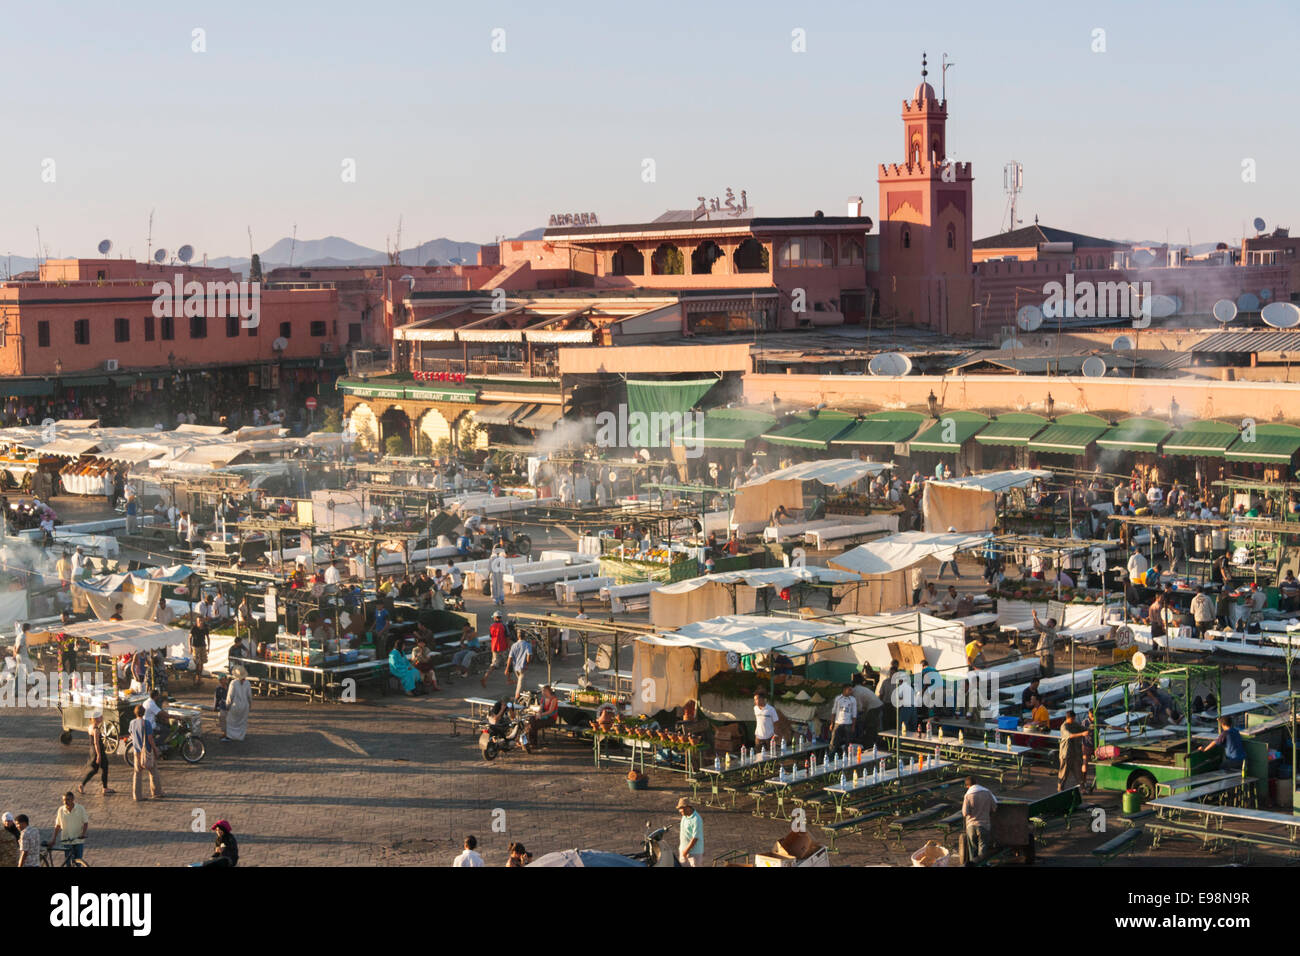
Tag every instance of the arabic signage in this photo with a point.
(573, 219)
(728, 206)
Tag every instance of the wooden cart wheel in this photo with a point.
(111, 741)
(65, 738)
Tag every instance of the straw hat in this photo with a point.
(685, 804)
(238, 672)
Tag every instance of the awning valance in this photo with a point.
(882, 430)
(500, 413)
(650, 396)
(1070, 435)
(20, 388)
(730, 427)
(542, 418)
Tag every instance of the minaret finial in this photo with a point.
(924, 71)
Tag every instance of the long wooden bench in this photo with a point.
(1116, 845)
(1168, 788)
(850, 825)
(915, 821)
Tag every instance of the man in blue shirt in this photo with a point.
(1234, 751)
(690, 847)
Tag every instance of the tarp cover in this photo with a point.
(836, 472)
(710, 595)
(650, 396)
(138, 596)
(902, 550)
(747, 634)
(127, 637)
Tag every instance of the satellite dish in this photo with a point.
(1122, 343)
(1225, 310)
(1259, 224)
(1094, 366)
(1281, 315)
(410, 281)
(280, 344)
(1265, 295)
(1248, 302)
(890, 363)
(1029, 318)
(104, 246)
(1163, 306)
(1139, 661)
(1009, 344)
(1143, 257)
(185, 253)
(160, 255)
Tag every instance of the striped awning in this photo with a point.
(881, 430)
(949, 433)
(1136, 434)
(500, 413)
(729, 428)
(1069, 435)
(1273, 444)
(1201, 440)
(815, 431)
(1013, 428)
(542, 418)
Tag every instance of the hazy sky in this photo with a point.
(1142, 140)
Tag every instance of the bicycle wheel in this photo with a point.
(47, 858)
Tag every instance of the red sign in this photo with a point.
(311, 404)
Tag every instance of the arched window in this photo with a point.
(627, 261)
(750, 256)
(705, 254)
(851, 252)
(792, 254)
(667, 261)
(819, 253)
(907, 239)
(952, 237)
(1087, 262)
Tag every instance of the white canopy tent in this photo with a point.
(884, 564)
(757, 499)
(730, 592)
(664, 664)
(126, 637)
(969, 504)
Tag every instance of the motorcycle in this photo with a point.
(179, 740)
(651, 852)
(497, 738)
(517, 545)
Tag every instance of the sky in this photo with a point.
(1145, 139)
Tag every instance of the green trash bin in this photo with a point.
(1131, 802)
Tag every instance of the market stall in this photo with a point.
(731, 592)
(969, 504)
(883, 566)
(757, 499)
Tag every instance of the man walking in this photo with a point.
(1202, 612)
(1070, 753)
(199, 647)
(470, 855)
(219, 701)
(500, 644)
(845, 709)
(977, 808)
(98, 757)
(144, 758)
(521, 652)
(73, 823)
(690, 848)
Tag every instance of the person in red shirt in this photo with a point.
(500, 645)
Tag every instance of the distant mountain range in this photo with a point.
(318, 253)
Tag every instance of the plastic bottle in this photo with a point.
(842, 780)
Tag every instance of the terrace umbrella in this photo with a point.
(584, 858)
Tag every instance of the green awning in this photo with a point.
(950, 432)
(1069, 435)
(17, 387)
(124, 381)
(1136, 434)
(650, 397)
(442, 393)
(86, 380)
(1273, 444)
(1013, 428)
(884, 429)
(811, 431)
(730, 427)
(1201, 440)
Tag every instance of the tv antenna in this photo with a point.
(395, 251)
(148, 243)
(293, 243)
(1013, 181)
(943, 78)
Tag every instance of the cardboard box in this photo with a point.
(727, 739)
(819, 857)
(796, 848)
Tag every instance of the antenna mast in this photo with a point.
(293, 243)
(1013, 181)
(148, 244)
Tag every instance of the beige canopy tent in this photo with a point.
(731, 592)
(126, 637)
(884, 565)
(663, 665)
(968, 504)
(757, 499)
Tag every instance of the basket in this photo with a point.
(931, 855)
(1008, 723)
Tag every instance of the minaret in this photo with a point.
(925, 223)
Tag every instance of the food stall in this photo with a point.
(108, 641)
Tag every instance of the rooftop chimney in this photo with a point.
(855, 205)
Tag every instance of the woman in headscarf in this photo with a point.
(402, 669)
(239, 699)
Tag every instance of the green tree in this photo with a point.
(332, 420)
(394, 446)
